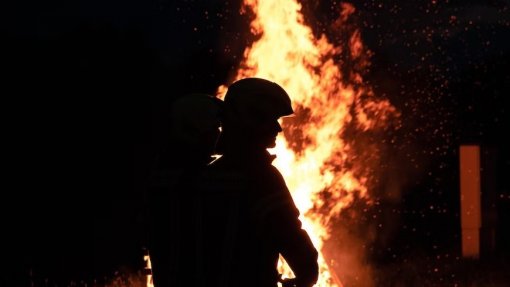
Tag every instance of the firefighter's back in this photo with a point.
(235, 250)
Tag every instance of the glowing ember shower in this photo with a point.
(317, 159)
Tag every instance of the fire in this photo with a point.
(315, 155)
(148, 267)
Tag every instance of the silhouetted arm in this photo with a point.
(291, 240)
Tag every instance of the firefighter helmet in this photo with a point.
(254, 99)
(195, 118)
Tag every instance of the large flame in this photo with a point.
(314, 160)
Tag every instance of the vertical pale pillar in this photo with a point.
(148, 270)
(470, 200)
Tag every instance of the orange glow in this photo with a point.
(470, 205)
(320, 160)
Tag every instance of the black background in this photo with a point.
(86, 86)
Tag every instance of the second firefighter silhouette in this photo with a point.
(194, 130)
(246, 216)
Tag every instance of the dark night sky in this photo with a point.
(86, 86)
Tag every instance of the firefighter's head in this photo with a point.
(195, 122)
(252, 109)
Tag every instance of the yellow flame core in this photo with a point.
(289, 54)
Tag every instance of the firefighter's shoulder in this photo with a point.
(222, 180)
(165, 177)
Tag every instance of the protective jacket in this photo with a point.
(170, 218)
(246, 218)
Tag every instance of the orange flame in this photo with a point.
(317, 161)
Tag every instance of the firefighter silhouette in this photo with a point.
(194, 130)
(243, 214)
